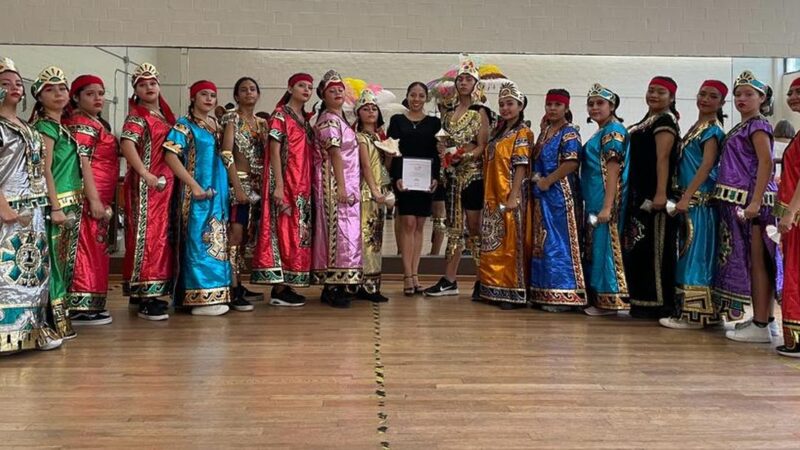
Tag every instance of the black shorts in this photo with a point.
(240, 214)
(472, 196)
(439, 193)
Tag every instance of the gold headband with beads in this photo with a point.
(747, 78)
(367, 97)
(509, 89)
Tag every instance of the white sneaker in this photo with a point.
(775, 329)
(51, 344)
(679, 324)
(750, 333)
(212, 310)
(594, 311)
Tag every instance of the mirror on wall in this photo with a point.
(534, 74)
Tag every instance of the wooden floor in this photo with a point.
(445, 373)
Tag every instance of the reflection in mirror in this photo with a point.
(534, 74)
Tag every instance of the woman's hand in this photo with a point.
(400, 185)
(659, 202)
(434, 185)
(786, 223)
(97, 209)
(604, 216)
(150, 180)
(682, 207)
(8, 215)
(57, 217)
(752, 210)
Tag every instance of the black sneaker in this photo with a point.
(153, 310)
(240, 304)
(375, 297)
(250, 295)
(90, 319)
(443, 288)
(476, 291)
(786, 351)
(287, 297)
(506, 306)
(340, 301)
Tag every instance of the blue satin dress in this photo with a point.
(204, 271)
(556, 271)
(698, 242)
(603, 260)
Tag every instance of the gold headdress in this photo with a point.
(50, 76)
(367, 97)
(748, 79)
(598, 90)
(145, 71)
(509, 89)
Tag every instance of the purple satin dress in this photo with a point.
(737, 178)
(336, 249)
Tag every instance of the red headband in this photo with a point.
(666, 84)
(718, 85)
(83, 81)
(201, 85)
(557, 98)
(795, 83)
(298, 77)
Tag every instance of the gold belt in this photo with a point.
(70, 198)
(699, 198)
(739, 196)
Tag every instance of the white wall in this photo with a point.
(535, 74)
(748, 28)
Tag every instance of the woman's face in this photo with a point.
(709, 100)
(205, 101)
(599, 109)
(416, 98)
(368, 114)
(793, 99)
(91, 99)
(748, 100)
(54, 97)
(15, 90)
(658, 97)
(465, 84)
(148, 90)
(555, 111)
(247, 94)
(334, 97)
(301, 91)
(509, 109)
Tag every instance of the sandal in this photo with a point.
(417, 288)
(408, 291)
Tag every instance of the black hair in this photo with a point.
(263, 114)
(408, 91)
(721, 116)
(501, 124)
(73, 105)
(616, 104)
(238, 84)
(564, 93)
(378, 125)
(767, 108)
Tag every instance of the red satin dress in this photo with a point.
(283, 248)
(89, 287)
(149, 263)
(790, 306)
